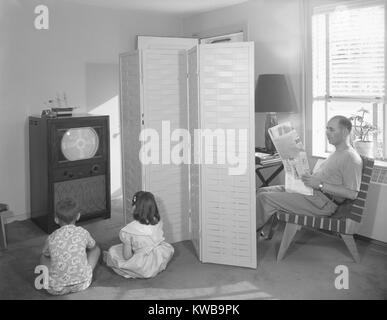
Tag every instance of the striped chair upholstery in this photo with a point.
(346, 224)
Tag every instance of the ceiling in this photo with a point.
(163, 6)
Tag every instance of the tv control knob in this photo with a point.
(95, 168)
(71, 175)
(65, 173)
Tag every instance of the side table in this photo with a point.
(260, 167)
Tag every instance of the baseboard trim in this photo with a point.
(11, 217)
(373, 241)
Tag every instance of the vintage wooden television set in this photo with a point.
(69, 157)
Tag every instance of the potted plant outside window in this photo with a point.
(362, 132)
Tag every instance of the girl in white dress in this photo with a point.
(143, 252)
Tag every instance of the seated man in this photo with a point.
(338, 178)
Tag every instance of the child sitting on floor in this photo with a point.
(70, 253)
(143, 252)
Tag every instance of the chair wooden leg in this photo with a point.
(289, 233)
(351, 245)
(273, 225)
(3, 239)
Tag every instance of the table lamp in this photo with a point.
(272, 95)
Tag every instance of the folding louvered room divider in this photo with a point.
(205, 202)
(158, 94)
(225, 221)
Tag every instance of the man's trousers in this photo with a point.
(273, 199)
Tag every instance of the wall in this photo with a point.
(276, 29)
(77, 55)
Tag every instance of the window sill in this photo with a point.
(378, 163)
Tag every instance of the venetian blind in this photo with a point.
(355, 55)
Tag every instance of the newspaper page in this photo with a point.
(293, 155)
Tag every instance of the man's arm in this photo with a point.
(335, 190)
(339, 191)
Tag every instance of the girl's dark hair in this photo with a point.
(146, 211)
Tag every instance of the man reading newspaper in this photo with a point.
(337, 178)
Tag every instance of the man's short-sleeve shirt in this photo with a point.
(342, 168)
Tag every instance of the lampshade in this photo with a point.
(273, 94)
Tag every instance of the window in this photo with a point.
(349, 70)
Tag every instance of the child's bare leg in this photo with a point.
(93, 256)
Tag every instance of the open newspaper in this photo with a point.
(293, 155)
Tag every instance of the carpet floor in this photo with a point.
(306, 272)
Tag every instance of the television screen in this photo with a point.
(79, 143)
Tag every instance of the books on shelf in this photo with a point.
(270, 161)
(63, 112)
(60, 114)
(266, 158)
(67, 109)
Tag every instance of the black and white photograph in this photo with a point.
(193, 155)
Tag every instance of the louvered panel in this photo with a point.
(130, 104)
(228, 201)
(194, 169)
(165, 92)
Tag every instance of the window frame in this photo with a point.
(309, 11)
